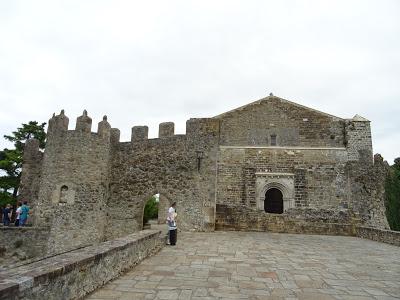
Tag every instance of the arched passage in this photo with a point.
(150, 210)
(273, 202)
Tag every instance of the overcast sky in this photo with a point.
(146, 62)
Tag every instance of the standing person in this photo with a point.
(7, 215)
(171, 220)
(24, 213)
(18, 214)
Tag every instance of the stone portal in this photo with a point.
(282, 182)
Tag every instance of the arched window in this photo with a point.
(273, 202)
(63, 194)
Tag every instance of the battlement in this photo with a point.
(58, 126)
(139, 133)
(195, 128)
(84, 123)
(166, 129)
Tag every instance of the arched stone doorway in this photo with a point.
(273, 202)
(283, 182)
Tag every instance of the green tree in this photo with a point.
(11, 159)
(150, 210)
(392, 191)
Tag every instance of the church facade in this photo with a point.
(271, 165)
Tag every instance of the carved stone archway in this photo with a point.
(284, 182)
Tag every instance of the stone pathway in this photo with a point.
(253, 265)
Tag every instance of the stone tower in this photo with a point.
(74, 182)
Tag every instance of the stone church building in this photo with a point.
(271, 165)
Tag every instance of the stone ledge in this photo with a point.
(74, 274)
(293, 227)
(379, 235)
(23, 228)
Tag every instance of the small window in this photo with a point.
(273, 139)
(63, 194)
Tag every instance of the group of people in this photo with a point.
(21, 214)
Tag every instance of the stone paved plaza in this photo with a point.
(252, 265)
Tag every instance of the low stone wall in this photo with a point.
(304, 221)
(19, 244)
(75, 274)
(379, 235)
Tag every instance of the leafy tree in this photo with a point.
(11, 159)
(392, 190)
(26, 132)
(150, 210)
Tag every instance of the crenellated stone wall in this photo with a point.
(74, 184)
(89, 187)
(168, 167)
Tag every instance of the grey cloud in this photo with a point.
(150, 62)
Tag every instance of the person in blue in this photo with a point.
(7, 215)
(24, 214)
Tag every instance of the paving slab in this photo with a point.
(260, 265)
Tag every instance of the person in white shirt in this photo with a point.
(171, 221)
(18, 213)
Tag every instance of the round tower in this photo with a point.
(74, 182)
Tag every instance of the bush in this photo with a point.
(150, 210)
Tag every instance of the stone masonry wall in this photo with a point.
(293, 125)
(75, 274)
(379, 235)
(30, 178)
(319, 174)
(168, 166)
(305, 221)
(89, 187)
(74, 185)
(20, 244)
(358, 140)
(366, 182)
